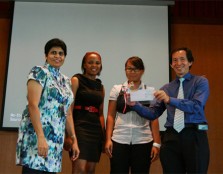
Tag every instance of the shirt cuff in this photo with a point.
(174, 101)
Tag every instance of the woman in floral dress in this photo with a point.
(47, 114)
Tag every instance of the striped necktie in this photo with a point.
(179, 115)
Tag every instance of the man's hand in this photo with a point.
(160, 95)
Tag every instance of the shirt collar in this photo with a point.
(54, 71)
(186, 76)
(141, 86)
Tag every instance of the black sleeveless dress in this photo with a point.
(87, 124)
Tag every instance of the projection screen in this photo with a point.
(117, 32)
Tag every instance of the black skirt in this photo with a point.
(90, 152)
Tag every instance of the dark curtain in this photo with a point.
(211, 10)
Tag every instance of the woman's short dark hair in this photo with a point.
(136, 62)
(55, 43)
(84, 59)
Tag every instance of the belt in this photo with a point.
(87, 108)
(191, 125)
(198, 126)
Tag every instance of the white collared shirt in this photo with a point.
(129, 128)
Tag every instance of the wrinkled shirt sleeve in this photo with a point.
(197, 101)
(150, 113)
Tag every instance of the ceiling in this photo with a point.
(114, 2)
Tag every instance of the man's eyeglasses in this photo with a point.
(135, 70)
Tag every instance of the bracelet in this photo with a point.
(73, 136)
(157, 145)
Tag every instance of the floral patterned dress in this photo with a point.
(55, 100)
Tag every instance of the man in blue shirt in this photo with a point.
(186, 151)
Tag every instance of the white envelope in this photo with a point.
(143, 94)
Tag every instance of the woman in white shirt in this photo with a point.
(132, 142)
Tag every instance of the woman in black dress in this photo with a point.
(88, 113)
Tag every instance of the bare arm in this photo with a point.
(156, 138)
(101, 114)
(110, 126)
(34, 94)
(102, 121)
(70, 128)
(70, 123)
(71, 133)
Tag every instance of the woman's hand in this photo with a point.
(108, 148)
(161, 95)
(75, 152)
(42, 147)
(154, 153)
(128, 99)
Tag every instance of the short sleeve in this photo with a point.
(38, 74)
(115, 92)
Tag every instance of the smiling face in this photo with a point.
(55, 57)
(180, 63)
(92, 65)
